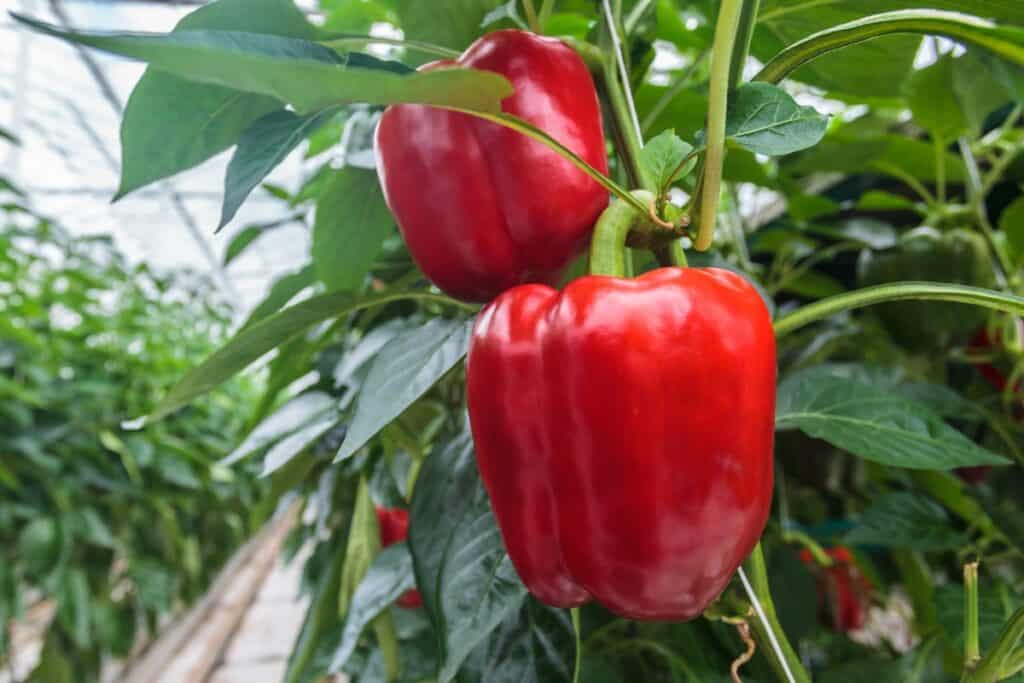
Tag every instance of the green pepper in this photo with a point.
(956, 256)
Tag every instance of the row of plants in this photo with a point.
(117, 527)
(891, 273)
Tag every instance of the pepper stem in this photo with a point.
(608, 245)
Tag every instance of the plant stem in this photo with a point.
(718, 99)
(628, 145)
(741, 48)
(531, 15)
(912, 182)
(972, 647)
(615, 79)
(545, 14)
(962, 27)
(540, 136)
(608, 244)
(940, 169)
(575, 613)
(898, 291)
(788, 668)
(976, 194)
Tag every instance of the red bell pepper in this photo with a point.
(844, 592)
(624, 432)
(394, 528)
(482, 207)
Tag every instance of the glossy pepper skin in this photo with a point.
(624, 432)
(394, 528)
(483, 208)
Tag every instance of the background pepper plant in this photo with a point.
(110, 531)
(877, 206)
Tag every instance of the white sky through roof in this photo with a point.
(69, 135)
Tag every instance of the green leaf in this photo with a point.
(978, 89)
(765, 119)
(880, 200)
(172, 124)
(363, 546)
(874, 423)
(54, 665)
(468, 584)
(241, 241)
(534, 645)
(1011, 222)
(405, 369)
(908, 521)
(351, 224)
(259, 338)
(663, 154)
(321, 616)
(39, 545)
(304, 74)
(281, 292)
(293, 415)
(281, 453)
(868, 670)
(388, 578)
(264, 145)
(74, 609)
(933, 101)
(452, 23)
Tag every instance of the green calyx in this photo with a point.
(623, 224)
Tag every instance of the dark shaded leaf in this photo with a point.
(468, 584)
(404, 369)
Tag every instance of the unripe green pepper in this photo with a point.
(956, 256)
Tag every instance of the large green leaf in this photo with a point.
(171, 124)
(535, 645)
(765, 119)
(453, 23)
(264, 145)
(352, 222)
(933, 101)
(468, 584)
(979, 89)
(908, 521)
(875, 423)
(304, 74)
(389, 576)
(404, 369)
(259, 338)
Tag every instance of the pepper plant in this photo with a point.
(109, 529)
(868, 207)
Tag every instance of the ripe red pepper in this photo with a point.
(624, 432)
(394, 528)
(482, 207)
(844, 592)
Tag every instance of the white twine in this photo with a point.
(767, 626)
(621, 60)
